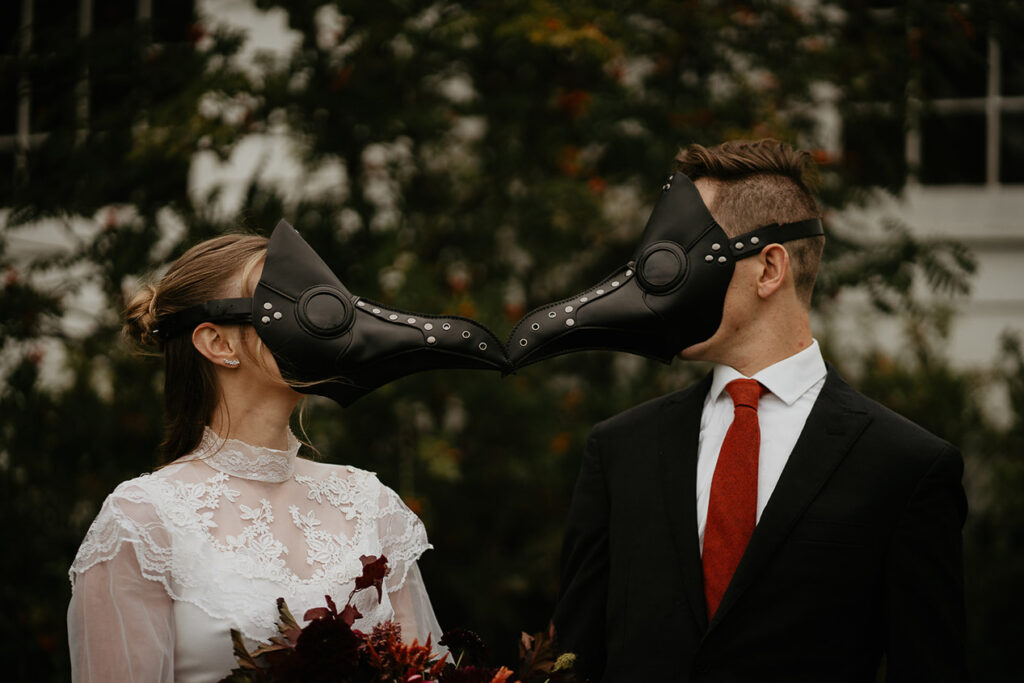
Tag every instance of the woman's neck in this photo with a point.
(256, 418)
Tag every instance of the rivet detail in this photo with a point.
(523, 342)
(428, 326)
(431, 339)
(268, 305)
(535, 326)
(277, 315)
(739, 245)
(446, 326)
(570, 322)
(466, 334)
(722, 259)
(755, 240)
(716, 246)
(552, 314)
(709, 258)
(568, 309)
(392, 317)
(615, 284)
(265, 319)
(584, 299)
(483, 346)
(376, 310)
(411, 321)
(600, 292)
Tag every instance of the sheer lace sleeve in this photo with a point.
(120, 621)
(404, 538)
(414, 611)
(402, 535)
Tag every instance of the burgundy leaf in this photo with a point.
(316, 613)
(350, 614)
(374, 571)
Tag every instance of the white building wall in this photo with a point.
(989, 220)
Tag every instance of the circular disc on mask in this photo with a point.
(661, 267)
(324, 311)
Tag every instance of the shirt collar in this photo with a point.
(788, 379)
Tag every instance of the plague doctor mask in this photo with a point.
(331, 342)
(668, 297)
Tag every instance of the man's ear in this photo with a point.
(213, 342)
(774, 260)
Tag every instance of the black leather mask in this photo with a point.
(668, 297)
(346, 346)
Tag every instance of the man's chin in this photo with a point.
(695, 352)
(708, 350)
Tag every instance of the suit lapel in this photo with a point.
(831, 429)
(678, 435)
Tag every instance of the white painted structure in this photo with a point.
(987, 220)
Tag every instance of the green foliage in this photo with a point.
(994, 538)
(493, 156)
(920, 384)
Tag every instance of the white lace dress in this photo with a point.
(177, 558)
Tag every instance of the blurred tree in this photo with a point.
(485, 157)
(994, 538)
(920, 384)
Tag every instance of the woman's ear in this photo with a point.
(774, 267)
(216, 345)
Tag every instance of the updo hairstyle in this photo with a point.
(217, 268)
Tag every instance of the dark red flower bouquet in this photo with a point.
(539, 661)
(329, 650)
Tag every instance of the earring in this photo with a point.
(231, 362)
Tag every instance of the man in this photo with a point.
(782, 528)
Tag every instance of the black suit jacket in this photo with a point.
(857, 555)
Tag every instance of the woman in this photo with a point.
(207, 543)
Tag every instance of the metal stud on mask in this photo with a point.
(340, 345)
(668, 297)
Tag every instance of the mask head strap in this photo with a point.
(751, 243)
(224, 311)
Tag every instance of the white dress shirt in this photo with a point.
(793, 386)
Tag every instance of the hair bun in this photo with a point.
(140, 317)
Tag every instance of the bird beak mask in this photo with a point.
(667, 298)
(329, 342)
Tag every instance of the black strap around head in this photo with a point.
(754, 241)
(223, 311)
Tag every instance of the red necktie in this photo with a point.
(732, 507)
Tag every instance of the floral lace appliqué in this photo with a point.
(216, 543)
(324, 548)
(340, 493)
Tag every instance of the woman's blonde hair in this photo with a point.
(213, 269)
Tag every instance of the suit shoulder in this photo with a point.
(895, 433)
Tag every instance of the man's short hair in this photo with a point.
(759, 183)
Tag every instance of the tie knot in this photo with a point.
(745, 392)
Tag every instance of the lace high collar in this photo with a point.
(243, 460)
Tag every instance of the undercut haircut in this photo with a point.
(758, 183)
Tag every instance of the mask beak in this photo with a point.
(335, 344)
(669, 296)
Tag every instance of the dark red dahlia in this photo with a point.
(465, 646)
